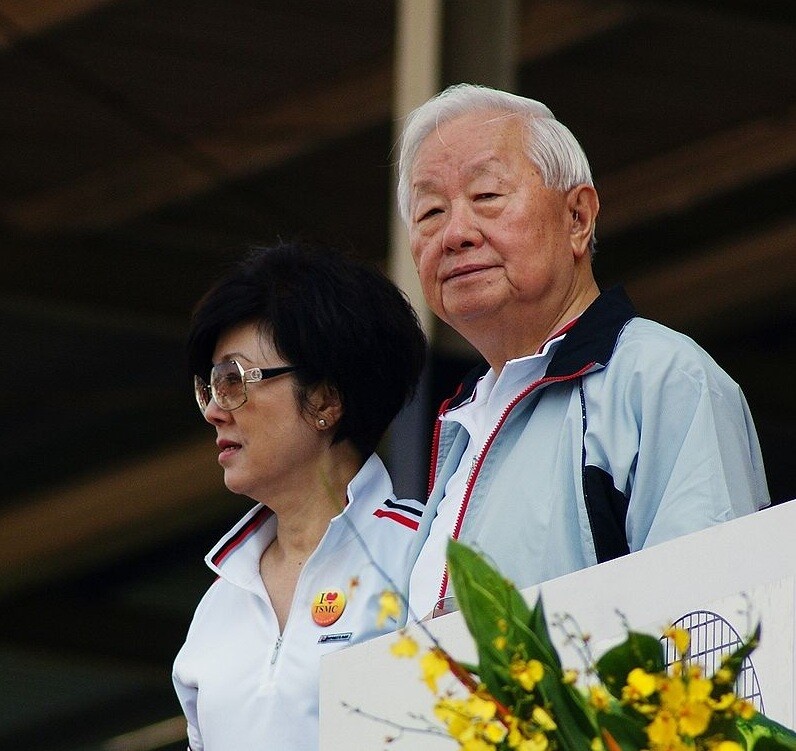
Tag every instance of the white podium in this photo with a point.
(718, 582)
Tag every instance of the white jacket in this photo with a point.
(244, 686)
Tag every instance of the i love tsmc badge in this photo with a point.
(328, 606)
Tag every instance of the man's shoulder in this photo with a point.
(648, 334)
(647, 346)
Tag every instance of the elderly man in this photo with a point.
(589, 432)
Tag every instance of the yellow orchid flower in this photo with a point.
(537, 742)
(570, 677)
(680, 637)
(725, 701)
(494, 732)
(662, 731)
(599, 698)
(434, 666)
(389, 607)
(452, 714)
(477, 744)
(728, 746)
(527, 674)
(699, 689)
(541, 717)
(640, 685)
(744, 709)
(481, 709)
(694, 718)
(406, 646)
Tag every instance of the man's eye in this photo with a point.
(429, 213)
(486, 196)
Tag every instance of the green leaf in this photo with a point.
(538, 624)
(576, 724)
(637, 651)
(487, 600)
(488, 603)
(762, 734)
(626, 731)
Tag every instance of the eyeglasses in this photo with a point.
(228, 384)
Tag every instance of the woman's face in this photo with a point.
(268, 446)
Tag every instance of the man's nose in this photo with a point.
(462, 230)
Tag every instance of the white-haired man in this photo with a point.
(589, 432)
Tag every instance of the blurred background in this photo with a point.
(145, 143)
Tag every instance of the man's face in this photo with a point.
(489, 241)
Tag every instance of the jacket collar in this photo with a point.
(591, 341)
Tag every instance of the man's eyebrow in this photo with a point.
(483, 166)
(480, 166)
(428, 185)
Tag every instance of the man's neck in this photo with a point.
(507, 338)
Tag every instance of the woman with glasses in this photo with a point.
(303, 357)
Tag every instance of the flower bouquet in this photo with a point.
(519, 696)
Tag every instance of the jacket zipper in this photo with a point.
(479, 460)
(275, 653)
(432, 468)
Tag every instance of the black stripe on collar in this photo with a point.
(591, 340)
(593, 337)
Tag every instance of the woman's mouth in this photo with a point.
(227, 449)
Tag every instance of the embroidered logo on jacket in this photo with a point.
(402, 513)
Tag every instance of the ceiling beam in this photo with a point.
(128, 188)
(89, 726)
(133, 186)
(65, 531)
(672, 182)
(747, 273)
(95, 633)
(661, 185)
(22, 18)
(548, 26)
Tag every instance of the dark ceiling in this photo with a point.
(143, 144)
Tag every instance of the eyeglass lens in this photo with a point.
(226, 387)
(228, 384)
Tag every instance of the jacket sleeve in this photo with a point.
(698, 460)
(187, 693)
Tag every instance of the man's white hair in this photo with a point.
(549, 144)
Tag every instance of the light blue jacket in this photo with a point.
(634, 436)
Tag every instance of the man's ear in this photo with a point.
(583, 205)
(325, 406)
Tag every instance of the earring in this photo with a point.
(321, 423)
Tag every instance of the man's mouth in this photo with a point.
(465, 271)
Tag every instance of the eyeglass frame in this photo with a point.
(252, 375)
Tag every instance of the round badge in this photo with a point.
(328, 606)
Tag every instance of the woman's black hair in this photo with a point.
(340, 321)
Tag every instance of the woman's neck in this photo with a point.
(303, 514)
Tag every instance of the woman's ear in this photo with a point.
(583, 205)
(325, 406)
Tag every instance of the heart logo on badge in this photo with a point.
(328, 606)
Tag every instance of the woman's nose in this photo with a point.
(214, 414)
